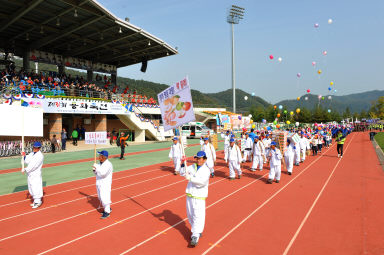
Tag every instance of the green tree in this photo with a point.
(377, 109)
(347, 113)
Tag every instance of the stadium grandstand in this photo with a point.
(84, 35)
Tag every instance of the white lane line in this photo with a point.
(313, 205)
(83, 213)
(263, 204)
(120, 221)
(165, 230)
(77, 199)
(93, 184)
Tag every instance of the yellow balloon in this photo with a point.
(251, 121)
(298, 98)
(288, 122)
(331, 83)
(291, 113)
(253, 126)
(319, 72)
(297, 110)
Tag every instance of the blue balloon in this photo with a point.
(268, 128)
(329, 88)
(253, 94)
(335, 90)
(329, 110)
(280, 107)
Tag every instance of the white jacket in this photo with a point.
(176, 151)
(303, 143)
(226, 139)
(290, 152)
(275, 157)
(233, 154)
(35, 163)
(258, 149)
(209, 151)
(199, 180)
(267, 142)
(103, 173)
(248, 143)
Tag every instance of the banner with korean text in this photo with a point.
(176, 105)
(96, 138)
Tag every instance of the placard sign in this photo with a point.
(96, 138)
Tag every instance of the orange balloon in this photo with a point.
(265, 128)
(274, 107)
(278, 126)
(319, 128)
(278, 115)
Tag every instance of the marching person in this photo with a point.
(274, 157)
(233, 157)
(103, 172)
(227, 137)
(248, 148)
(123, 142)
(175, 154)
(303, 143)
(197, 192)
(258, 154)
(64, 139)
(314, 143)
(297, 153)
(267, 143)
(35, 182)
(289, 156)
(210, 154)
(340, 139)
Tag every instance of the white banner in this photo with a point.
(96, 138)
(77, 106)
(12, 120)
(176, 105)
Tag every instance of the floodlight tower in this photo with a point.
(235, 14)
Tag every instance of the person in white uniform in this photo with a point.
(248, 148)
(304, 144)
(35, 181)
(210, 154)
(234, 160)
(197, 192)
(227, 137)
(267, 143)
(175, 154)
(274, 157)
(103, 172)
(289, 156)
(258, 154)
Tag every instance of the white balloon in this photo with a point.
(306, 98)
(245, 98)
(330, 21)
(329, 97)
(280, 59)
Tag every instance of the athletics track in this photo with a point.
(328, 206)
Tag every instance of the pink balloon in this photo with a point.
(316, 25)
(308, 90)
(298, 75)
(313, 63)
(271, 57)
(325, 53)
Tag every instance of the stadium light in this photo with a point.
(58, 22)
(27, 36)
(149, 43)
(236, 13)
(120, 31)
(75, 14)
(41, 30)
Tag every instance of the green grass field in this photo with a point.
(14, 182)
(379, 137)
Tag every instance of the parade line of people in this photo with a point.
(258, 147)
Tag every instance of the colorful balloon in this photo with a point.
(335, 90)
(308, 90)
(245, 98)
(298, 75)
(297, 124)
(239, 117)
(253, 126)
(319, 71)
(280, 59)
(253, 94)
(298, 110)
(285, 111)
(298, 98)
(265, 128)
(329, 110)
(313, 63)
(319, 96)
(278, 126)
(274, 107)
(316, 25)
(330, 21)
(329, 88)
(278, 115)
(270, 57)
(288, 122)
(325, 53)
(322, 98)
(280, 107)
(251, 121)
(331, 83)
(306, 98)
(264, 121)
(275, 122)
(329, 97)
(291, 113)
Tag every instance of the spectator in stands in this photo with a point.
(63, 139)
(123, 143)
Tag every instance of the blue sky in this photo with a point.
(284, 28)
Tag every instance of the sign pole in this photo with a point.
(94, 153)
(182, 147)
(22, 140)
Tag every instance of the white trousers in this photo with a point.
(35, 186)
(104, 194)
(226, 150)
(196, 215)
(234, 165)
(247, 154)
(303, 151)
(210, 165)
(177, 164)
(257, 161)
(297, 156)
(289, 162)
(275, 172)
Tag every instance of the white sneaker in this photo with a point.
(341, 157)
(338, 155)
(36, 205)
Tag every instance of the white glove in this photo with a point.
(22, 170)
(187, 175)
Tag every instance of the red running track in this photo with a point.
(328, 206)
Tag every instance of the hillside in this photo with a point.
(355, 102)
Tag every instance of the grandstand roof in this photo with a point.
(76, 28)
